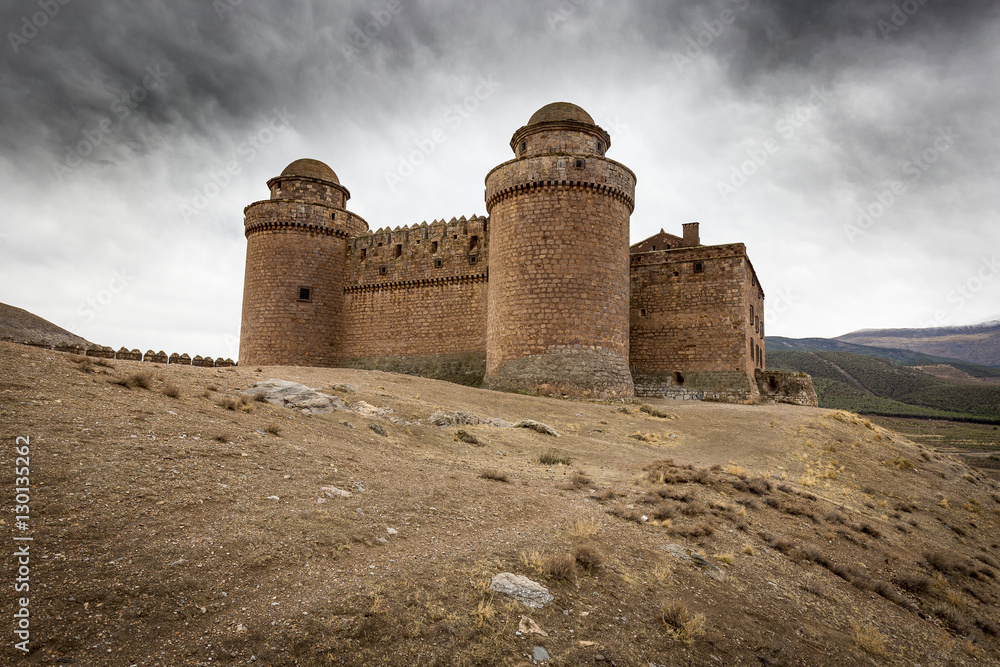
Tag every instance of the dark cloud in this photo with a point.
(688, 89)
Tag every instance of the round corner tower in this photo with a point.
(293, 292)
(558, 295)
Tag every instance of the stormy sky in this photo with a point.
(852, 145)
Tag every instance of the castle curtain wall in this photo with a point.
(416, 301)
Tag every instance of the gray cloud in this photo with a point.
(152, 102)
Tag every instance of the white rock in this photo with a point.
(528, 592)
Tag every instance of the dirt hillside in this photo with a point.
(177, 522)
(20, 326)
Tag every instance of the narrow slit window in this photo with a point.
(382, 270)
(305, 294)
(434, 246)
(524, 147)
(473, 242)
(642, 312)
(398, 252)
(364, 253)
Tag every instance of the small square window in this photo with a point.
(699, 267)
(382, 270)
(642, 312)
(305, 294)
(437, 263)
(473, 259)
(579, 164)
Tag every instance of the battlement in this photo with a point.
(426, 251)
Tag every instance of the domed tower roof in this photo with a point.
(310, 168)
(560, 127)
(560, 111)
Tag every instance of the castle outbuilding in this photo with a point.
(543, 295)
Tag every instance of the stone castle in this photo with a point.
(542, 295)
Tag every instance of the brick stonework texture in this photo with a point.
(544, 295)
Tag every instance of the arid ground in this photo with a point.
(177, 522)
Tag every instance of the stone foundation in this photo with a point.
(794, 388)
(465, 368)
(574, 372)
(724, 386)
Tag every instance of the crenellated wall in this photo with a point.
(416, 300)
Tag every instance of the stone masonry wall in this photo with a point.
(690, 312)
(444, 316)
(558, 296)
(293, 245)
(433, 251)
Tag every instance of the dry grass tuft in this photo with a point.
(234, 403)
(914, 583)
(645, 437)
(726, 558)
(583, 529)
(532, 561)
(273, 429)
(698, 529)
(579, 480)
(739, 471)
(171, 390)
(260, 397)
(868, 639)
(561, 567)
(684, 625)
(137, 380)
(656, 412)
(466, 437)
(495, 475)
(222, 437)
(554, 458)
(589, 558)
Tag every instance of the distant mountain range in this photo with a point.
(891, 381)
(978, 344)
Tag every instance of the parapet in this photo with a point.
(426, 251)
